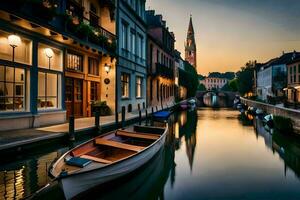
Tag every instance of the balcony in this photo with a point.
(162, 70)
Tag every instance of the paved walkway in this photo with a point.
(12, 139)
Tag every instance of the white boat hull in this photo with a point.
(78, 183)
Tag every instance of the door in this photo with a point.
(74, 92)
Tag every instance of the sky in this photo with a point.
(231, 32)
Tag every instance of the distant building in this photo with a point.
(272, 76)
(190, 46)
(161, 70)
(293, 83)
(180, 91)
(212, 83)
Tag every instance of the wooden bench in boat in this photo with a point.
(148, 136)
(119, 145)
(82, 150)
(96, 159)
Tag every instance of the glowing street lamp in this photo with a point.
(49, 53)
(14, 41)
(107, 68)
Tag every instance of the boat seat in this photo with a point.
(96, 159)
(119, 145)
(138, 135)
(83, 150)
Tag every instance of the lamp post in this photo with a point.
(106, 80)
(14, 41)
(49, 53)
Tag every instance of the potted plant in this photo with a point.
(101, 107)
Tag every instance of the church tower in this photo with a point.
(190, 46)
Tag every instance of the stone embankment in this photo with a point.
(276, 110)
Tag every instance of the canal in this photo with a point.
(209, 154)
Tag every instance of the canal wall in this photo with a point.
(293, 114)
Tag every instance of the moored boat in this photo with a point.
(106, 158)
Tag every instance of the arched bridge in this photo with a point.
(215, 98)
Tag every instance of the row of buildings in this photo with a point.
(59, 57)
(278, 80)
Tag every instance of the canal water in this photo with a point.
(209, 154)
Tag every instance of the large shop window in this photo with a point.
(12, 88)
(93, 66)
(125, 85)
(48, 90)
(49, 77)
(139, 82)
(75, 62)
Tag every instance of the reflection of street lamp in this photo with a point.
(14, 41)
(107, 68)
(49, 53)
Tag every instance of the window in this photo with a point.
(124, 35)
(139, 82)
(151, 90)
(12, 88)
(132, 38)
(125, 85)
(95, 87)
(93, 66)
(157, 90)
(48, 90)
(157, 56)
(56, 61)
(22, 52)
(75, 62)
(49, 78)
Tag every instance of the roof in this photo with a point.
(286, 58)
(296, 60)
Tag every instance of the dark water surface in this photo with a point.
(209, 154)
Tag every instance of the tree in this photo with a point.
(189, 79)
(201, 87)
(233, 84)
(245, 78)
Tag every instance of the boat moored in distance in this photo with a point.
(107, 157)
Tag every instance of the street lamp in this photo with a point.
(107, 68)
(49, 53)
(14, 41)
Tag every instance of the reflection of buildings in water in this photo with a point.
(187, 128)
(289, 150)
(25, 177)
(190, 143)
(261, 131)
(286, 147)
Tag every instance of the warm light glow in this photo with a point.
(106, 68)
(14, 40)
(49, 52)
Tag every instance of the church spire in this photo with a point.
(191, 28)
(190, 46)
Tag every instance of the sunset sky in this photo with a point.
(231, 32)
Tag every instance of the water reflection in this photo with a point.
(208, 154)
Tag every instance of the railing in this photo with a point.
(163, 71)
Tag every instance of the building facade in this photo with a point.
(131, 67)
(52, 60)
(293, 83)
(161, 65)
(213, 83)
(190, 46)
(180, 90)
(272, 77)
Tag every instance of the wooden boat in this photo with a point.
(107, 157)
